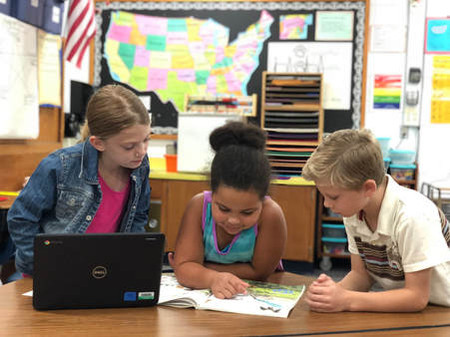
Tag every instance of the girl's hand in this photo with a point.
(325, 295)
(171, 259)
(25, 181)
(227, 285)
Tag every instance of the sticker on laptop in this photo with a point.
(146, 295)
(129, 296)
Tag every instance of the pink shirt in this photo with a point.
(109, 213)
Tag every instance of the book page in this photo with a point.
(173, 294)
(262, 298)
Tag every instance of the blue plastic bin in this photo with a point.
(29, 11)
(387, 162)
(402, 157)
(333, 230)
(384, 144)
(53, 16)
(403, 172)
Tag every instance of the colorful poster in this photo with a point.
(175, 57)
(437, 39)
(334, 25)
(295, 26)
(440, 96)
(387, 91)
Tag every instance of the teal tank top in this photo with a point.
(240, 248)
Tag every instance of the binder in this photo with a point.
(5, 7)
(29, 11)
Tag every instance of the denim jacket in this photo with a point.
(63, 195)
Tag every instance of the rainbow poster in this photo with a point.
(387, 91)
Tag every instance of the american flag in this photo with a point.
(81, 29)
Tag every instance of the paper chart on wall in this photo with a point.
(334, 25)
(19, 116)
(333, 59)
(388, 38)
(440, 94)
(49, 67)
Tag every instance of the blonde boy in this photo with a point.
(397, 237)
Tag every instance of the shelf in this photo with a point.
(164, 137)
(332, 218)
(405, 182)
(293, 142)
(233, 105)
(410, 183)
(337, 256)
(292, 115)
(292, 107)
(322, 218)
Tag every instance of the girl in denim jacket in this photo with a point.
(97, 186)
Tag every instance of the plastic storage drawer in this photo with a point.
(402, 157)
(333, 230)
(336, 246)
(402, 172)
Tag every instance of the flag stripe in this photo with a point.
(81, 29)
(75, 47)
(80, 57)
(73, 5)
(78, 20)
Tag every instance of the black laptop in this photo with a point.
(97, 270)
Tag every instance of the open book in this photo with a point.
(262, 298)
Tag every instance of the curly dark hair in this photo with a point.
(240, 161)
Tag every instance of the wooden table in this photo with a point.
(6, 204)
(18, 318)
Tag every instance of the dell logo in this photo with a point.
(99, 272)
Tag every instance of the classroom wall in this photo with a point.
(389, 47)
(433, 154)
(409, 127)
(72, 72)
(396, 41)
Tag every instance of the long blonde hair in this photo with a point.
(111, 109)
(346, 159)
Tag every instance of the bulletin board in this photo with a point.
(236, 17)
